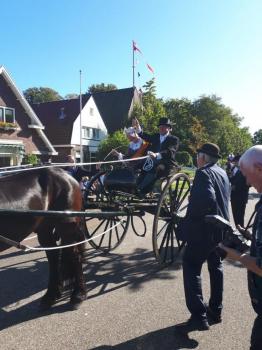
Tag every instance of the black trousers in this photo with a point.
(238, 205)
(147, 179)
(194, 256)
(256, 336)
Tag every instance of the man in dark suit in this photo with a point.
(251, 167)
(239, 193)
(162, 151)
(209, 195)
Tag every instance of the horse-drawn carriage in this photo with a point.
(48, 202)
(116, 191)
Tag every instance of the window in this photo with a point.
(90, 133)
(86, 132)
(91, 111)
(62, 113)
(96, 134)
(7, 115)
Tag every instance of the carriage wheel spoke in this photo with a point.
(180, 191)
(182, 199)
(110, 234)
(98, 227)
(167, 244)
(162, 228)
(116, 228)
(103, 236)
(165, 238)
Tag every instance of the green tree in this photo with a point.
(187, 128)
(101, 87)
(152, 108)
(221, 125)
(257, 137)
(207, 120)
(41, 94)
(71, 96)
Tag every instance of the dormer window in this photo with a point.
(62, 113)
(7, 114)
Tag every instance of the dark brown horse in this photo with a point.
(46, 189)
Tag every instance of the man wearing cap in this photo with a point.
(162, 150)
(209, 196)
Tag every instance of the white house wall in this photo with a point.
(90, 121)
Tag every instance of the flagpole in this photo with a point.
(80, 116)
(133, 64)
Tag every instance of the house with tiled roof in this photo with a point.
(63, 121)
(116, 106)
(21, 131)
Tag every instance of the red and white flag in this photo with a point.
(135, 48)
(150, 68)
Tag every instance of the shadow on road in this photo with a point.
(164, 339)
(114, 271)
(21, 281)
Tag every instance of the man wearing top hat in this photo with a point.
(209, 195)
(162, 150)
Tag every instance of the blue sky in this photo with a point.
(196, 47)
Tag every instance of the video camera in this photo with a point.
(231, 238)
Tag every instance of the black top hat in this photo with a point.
(164, 121)
(211, 149)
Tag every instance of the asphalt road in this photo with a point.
(132, 304)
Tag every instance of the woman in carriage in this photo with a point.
(137, 148)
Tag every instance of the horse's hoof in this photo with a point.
(78, 298)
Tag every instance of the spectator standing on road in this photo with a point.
(239, 193)
(251, 167)
(209, 195)
(75, 170)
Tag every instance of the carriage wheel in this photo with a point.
(106, 234)
(171, 205)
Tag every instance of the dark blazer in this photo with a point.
(167, 148)
(239, 187)
(209, 195)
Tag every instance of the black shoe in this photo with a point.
(192, 324)
(215, 317)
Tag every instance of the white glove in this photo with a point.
(151, 154)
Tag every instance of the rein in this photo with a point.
(64, 165)
(28, 248)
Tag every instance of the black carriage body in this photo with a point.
(123, 180)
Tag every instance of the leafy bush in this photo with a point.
(6, 125)
(30, 159)
(184, 158)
